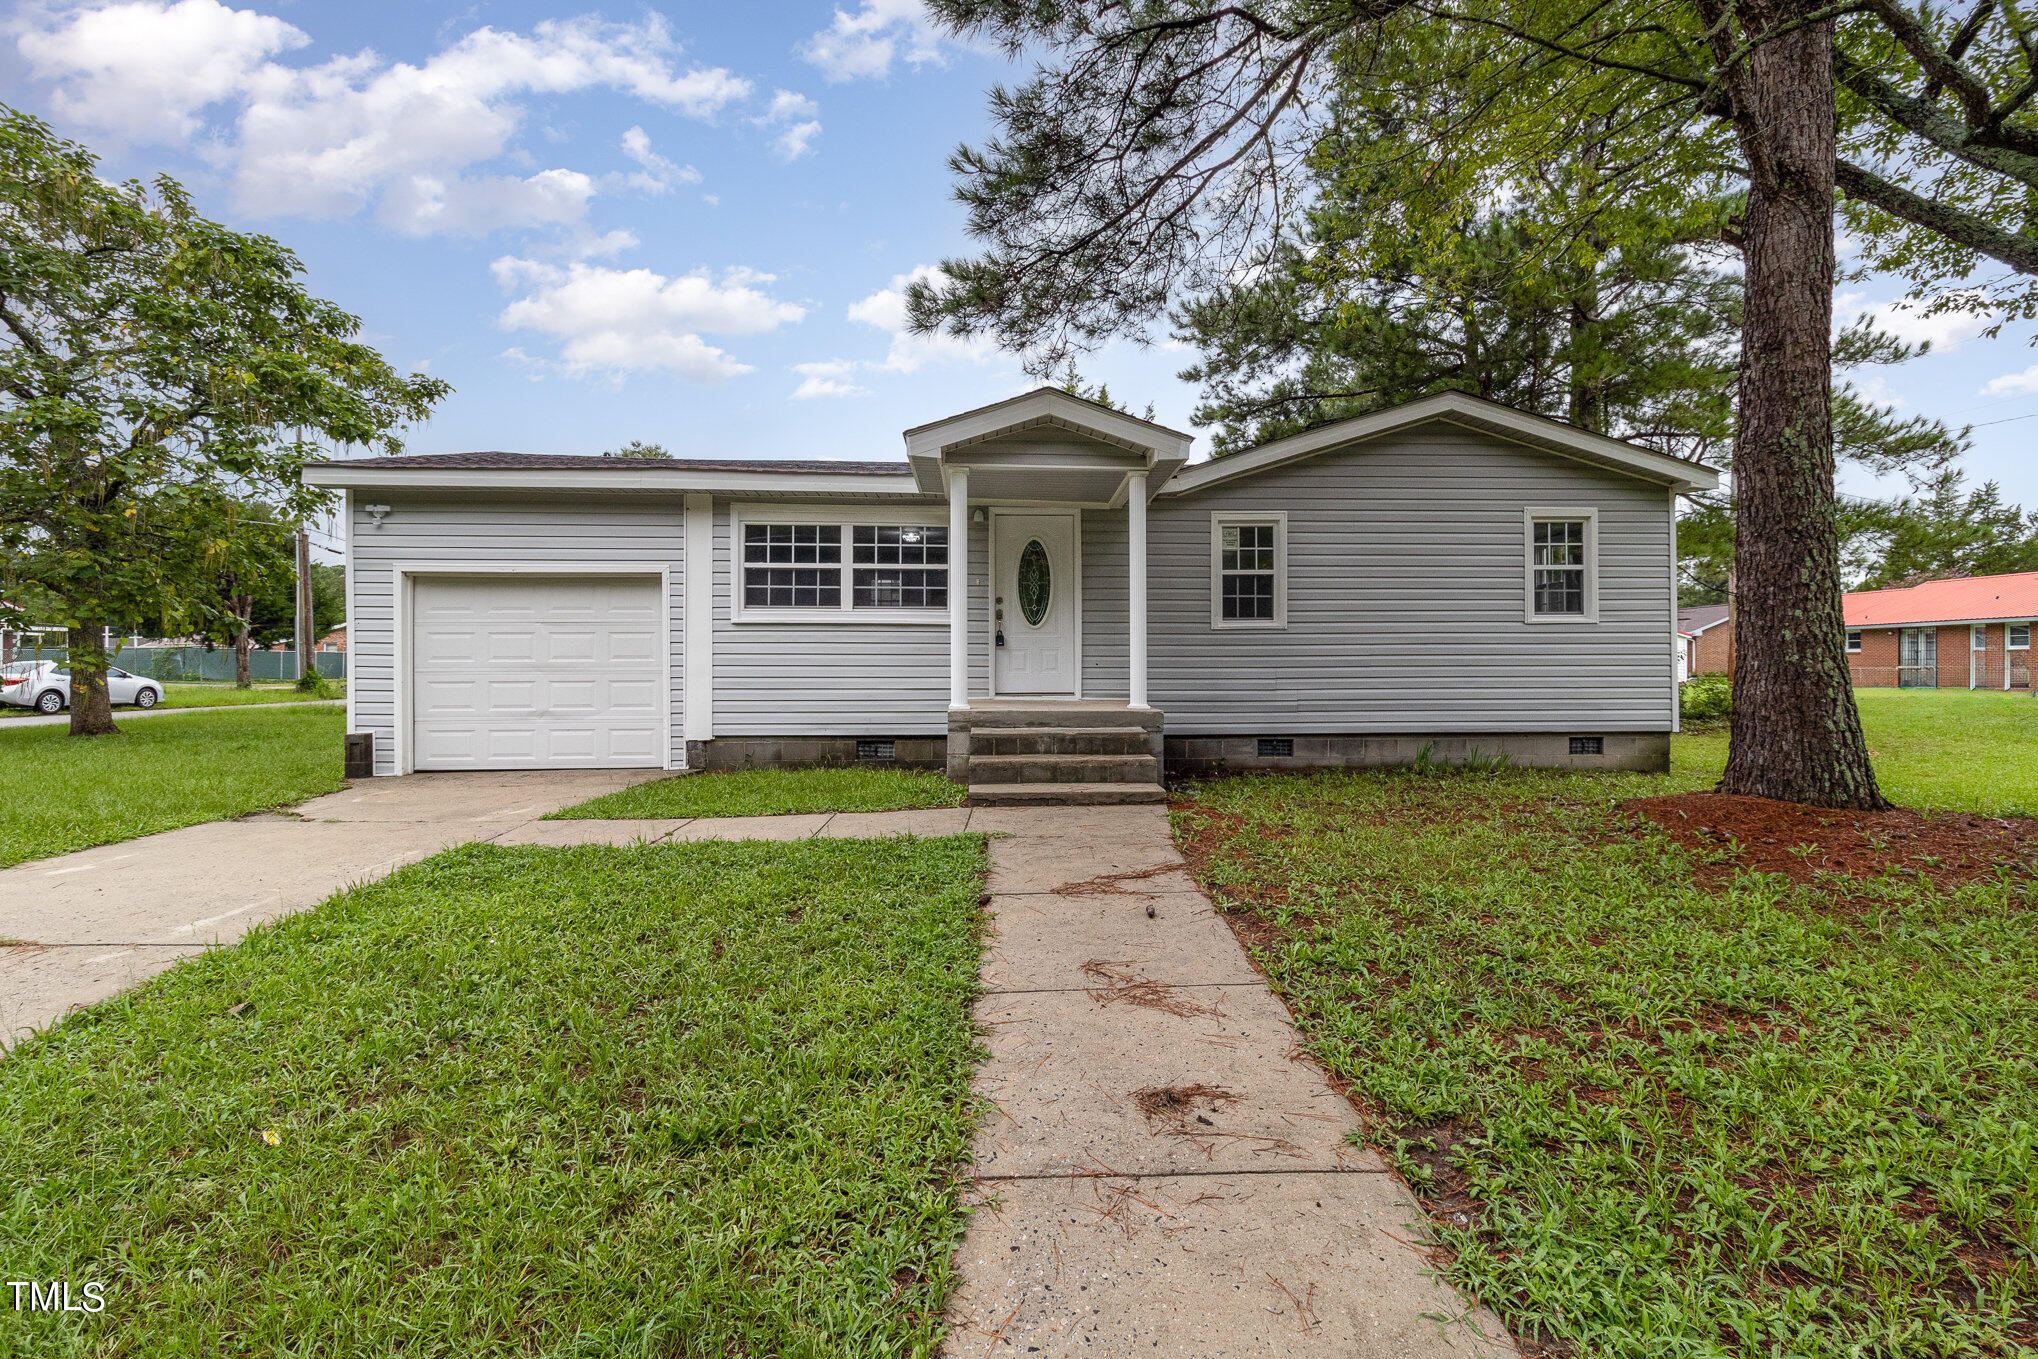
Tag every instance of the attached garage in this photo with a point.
(537, 671)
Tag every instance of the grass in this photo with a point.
(700, 1100)
(222, 695)
(66, 793)
(772, 792)
(1934, 749)
(1655, 1116)
(209, 695)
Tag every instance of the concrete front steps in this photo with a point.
(1031, 754)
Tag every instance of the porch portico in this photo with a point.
(1024, 471)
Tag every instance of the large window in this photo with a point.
(2019, 636)
(859, 567)
(899, 566)
(792, 566)
(1562, 552)
(1980, 635)
(1248, 570)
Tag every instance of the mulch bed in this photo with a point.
(1769, 837)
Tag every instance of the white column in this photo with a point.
(697, 644)
(958, 587)
(1135, 582)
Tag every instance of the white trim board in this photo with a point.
(1482, 416)
(403, 576)
(1223, 519)
(1531, 515)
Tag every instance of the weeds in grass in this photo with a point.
(1652, 1113)
(695, 1100)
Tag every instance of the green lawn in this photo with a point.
(699, 1100)
(1656, 1117)
(221, 695)
(771, 792)
(1934, 749)
(158, 773)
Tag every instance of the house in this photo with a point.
(1973, 633)
(1044, 590)
(1708, 633)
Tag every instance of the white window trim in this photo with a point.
(2008, 645)
(1530, 517)
(915, 516)
(1853, 641)
(1220, 520)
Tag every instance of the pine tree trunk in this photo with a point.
(91, 712)
(1796, 733)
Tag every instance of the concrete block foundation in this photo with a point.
(1645, 752)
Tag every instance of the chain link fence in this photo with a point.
(189, 664)
(1987, 672)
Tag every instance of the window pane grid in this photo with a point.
(1557, 560)
(1246, 570)
(800, 566)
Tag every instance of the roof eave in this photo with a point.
(1549, 435)
(363, 474)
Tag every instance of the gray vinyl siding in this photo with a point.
(1106, 606)
(832, 678)
(1405, 599)
(524, 532)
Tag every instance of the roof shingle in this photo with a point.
(570, 462)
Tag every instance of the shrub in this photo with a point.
(1707, 698)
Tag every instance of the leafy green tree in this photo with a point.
(1948, 531)
(1159, 145)
(158, 372)
(637, 448)
(255, 602)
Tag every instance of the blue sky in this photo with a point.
(687, 225)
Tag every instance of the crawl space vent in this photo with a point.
(876, 750)
(1588, 745)
(1276, 746)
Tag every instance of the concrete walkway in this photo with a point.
(83, 926)
(8, 722)
(1163, 1173)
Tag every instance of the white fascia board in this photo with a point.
(520, 479)
(1484, 417)
(931, 439)
(2003, 618)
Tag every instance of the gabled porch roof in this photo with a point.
(1046, 447)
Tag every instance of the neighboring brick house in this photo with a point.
(1708, 633)
(1973, 633)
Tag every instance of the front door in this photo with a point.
(1035, 594)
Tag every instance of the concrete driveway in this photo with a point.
(83, 926)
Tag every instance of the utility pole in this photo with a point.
(304, 664)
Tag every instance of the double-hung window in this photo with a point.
(1979, 632)
(1854, 639)
(857, 568)
(2018, 637)
(1249, 570)
(1561, 560)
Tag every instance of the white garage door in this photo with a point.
(537, 672)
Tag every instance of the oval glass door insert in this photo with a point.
(1035, 582)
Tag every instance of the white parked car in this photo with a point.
(46, 686)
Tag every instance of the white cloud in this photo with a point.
(798, 120)
(658, 174)
(145, 69)
(414, 142)
(1875, 387)
(866, 43)
(908, 352)
(619, 321)
(829, 378)
(2013, 384)
(1915, 322)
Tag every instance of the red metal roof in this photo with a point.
(1975, 599)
